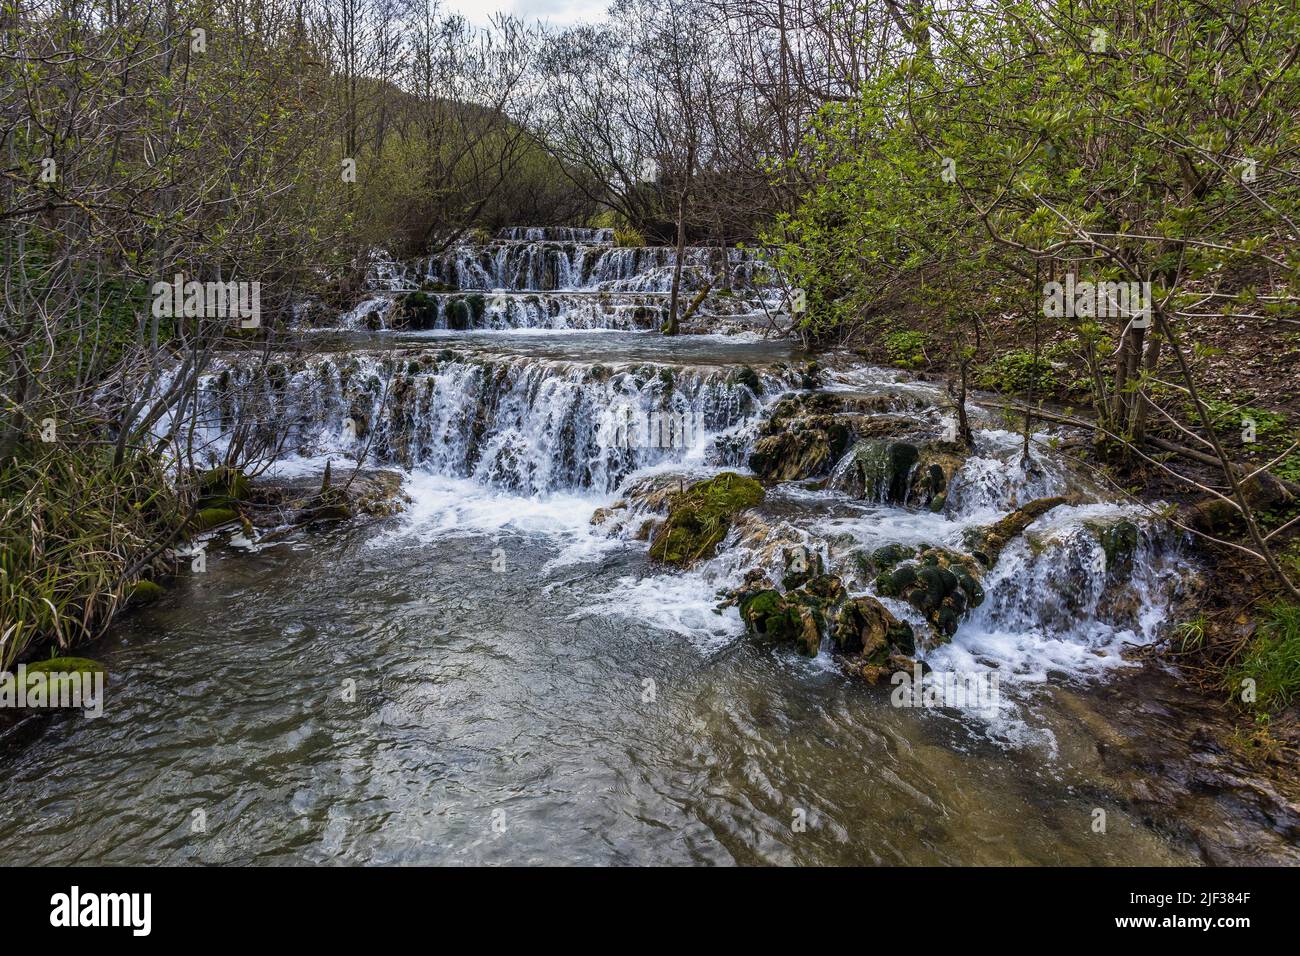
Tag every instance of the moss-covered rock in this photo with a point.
(419, 310)
(57, 672)
(207, 518)
(865, 627)
(942, 585)
(699, 517)
(784, 619)
(146, 592)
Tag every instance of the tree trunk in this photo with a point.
(670, 327)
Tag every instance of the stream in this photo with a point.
(490, 676)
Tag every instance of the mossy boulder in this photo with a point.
(784, 619)
(207, 518)
(865, 627)
(419, 310)
(700, 517)
(60, 671)
(986, 543)
(146, 592)
(941, 585)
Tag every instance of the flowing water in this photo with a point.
(489, 677)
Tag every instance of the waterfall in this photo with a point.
(555, 277)
(515, 423)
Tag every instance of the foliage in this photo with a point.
(1272, 660)
(906, 349)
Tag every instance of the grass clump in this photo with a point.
(1271, 661)
(73, 527)
(628, 236)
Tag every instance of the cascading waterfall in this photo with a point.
(525, 425)
(554, 278)
(535, 426)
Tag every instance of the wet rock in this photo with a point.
(792, 449)
(801, 564)
(942, 586)
(936, 466)
(700, 517)
(986, 543)
(748, 377)
(879, 470)
(372, 493)
(1119, 541)
(866, 628)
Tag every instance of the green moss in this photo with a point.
(61, 665)
(146, 592)
(420, 310)
(699, 518)
(222, 485)
(206, 518)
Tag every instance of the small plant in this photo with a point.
(906, 349)
(1191, 634)
(1018, 371)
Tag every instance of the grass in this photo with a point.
(72, 527)
(626, 236)
(1271, 661)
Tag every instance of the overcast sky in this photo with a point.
(557, 12)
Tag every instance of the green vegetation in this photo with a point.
(906, 349)
(73, 529)
(1018, 371)
(1271, 660)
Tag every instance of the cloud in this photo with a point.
(556, 12)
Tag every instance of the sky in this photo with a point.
(556, 12)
